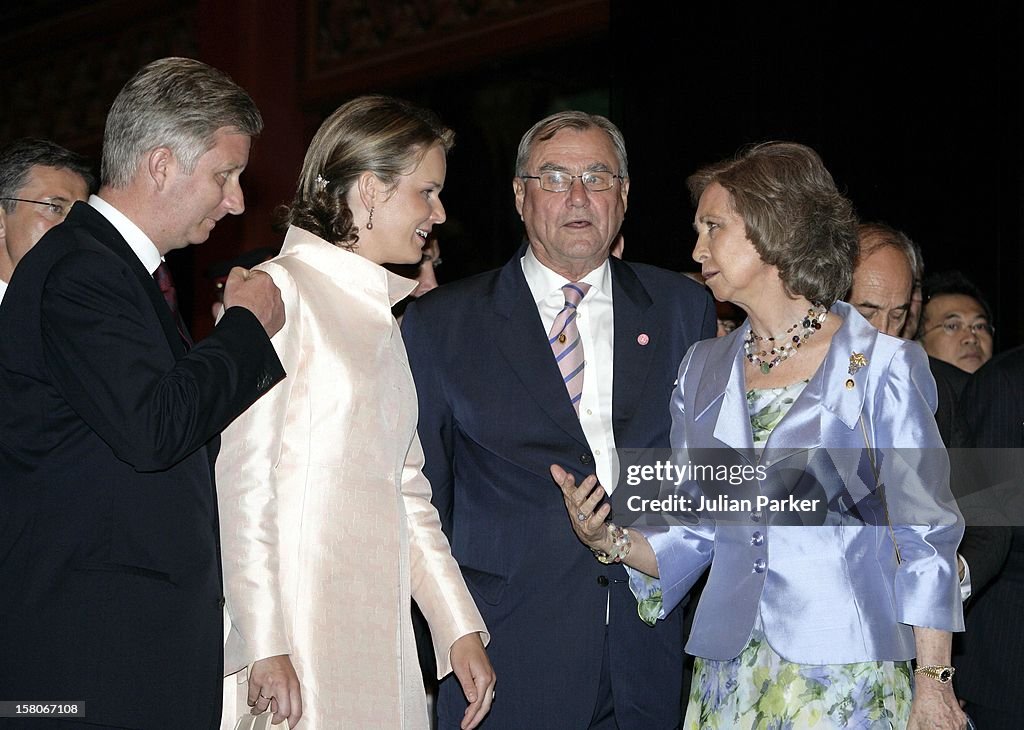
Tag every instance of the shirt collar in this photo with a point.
(138, 241)
(543, 282)
(346, 267)
(3, 289)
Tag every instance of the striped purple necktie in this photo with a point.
(566, 343)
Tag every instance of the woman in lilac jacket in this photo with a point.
(824, 583)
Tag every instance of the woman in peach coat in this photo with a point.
(326, 520)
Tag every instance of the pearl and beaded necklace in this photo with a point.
(777, 353)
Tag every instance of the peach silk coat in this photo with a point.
(326, 519)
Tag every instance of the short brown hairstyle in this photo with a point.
(795, 217)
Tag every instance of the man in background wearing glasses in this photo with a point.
(498, 361)
(956, 324)
(39, 182)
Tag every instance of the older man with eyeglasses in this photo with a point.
(560, 357)
(39, 182)
(956, 325)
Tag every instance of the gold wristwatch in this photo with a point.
(939, 672)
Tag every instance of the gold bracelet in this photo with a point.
(941, 673)
(621, 543)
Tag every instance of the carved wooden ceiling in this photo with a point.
(63, 65)
(352, 45)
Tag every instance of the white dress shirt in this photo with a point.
(596, 323)
(3, 290)
(139, 242)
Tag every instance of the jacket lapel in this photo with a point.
(721, 393)
(105, 233)
(827, 389)
(520, 337)
(633, 318)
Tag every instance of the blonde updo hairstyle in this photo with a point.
(374, 133)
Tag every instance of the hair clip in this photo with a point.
(321, 183)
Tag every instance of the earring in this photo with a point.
(369, 223)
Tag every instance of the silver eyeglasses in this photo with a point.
(55, 211)
(555, 181)
(956, 327)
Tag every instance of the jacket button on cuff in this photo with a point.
(759, 565)
(586, 458)
(757, 539)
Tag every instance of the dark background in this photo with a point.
(916, 111)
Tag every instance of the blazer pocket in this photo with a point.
(135, 570)
(490, 587)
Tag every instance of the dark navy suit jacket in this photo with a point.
(494, 415)
(110, 583)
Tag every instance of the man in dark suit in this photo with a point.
(109, 547)
(498, 361)
(39, 182)
(991, 418)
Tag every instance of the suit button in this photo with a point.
(757, 539)
(602, 581)
(586, 458)
(759, 565)
(755, 516)
(221, 602)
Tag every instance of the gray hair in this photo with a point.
(873, 236)
(177, 103)
(549, 126)
(20, 156)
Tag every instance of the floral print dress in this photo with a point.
(760, 690)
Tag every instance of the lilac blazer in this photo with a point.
(832, 593)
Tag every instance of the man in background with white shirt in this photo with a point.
(560, 357)
(39, 182)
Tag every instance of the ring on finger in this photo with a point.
(581, 517)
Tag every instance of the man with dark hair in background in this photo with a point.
(39, 182)
(956, 322)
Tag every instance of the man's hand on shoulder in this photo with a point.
(257, 292)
